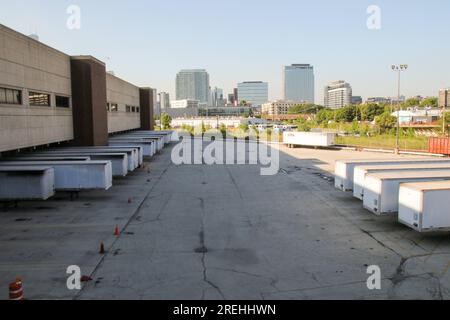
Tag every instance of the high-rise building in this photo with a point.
(444, 98)
(357, 100)
(164, 100)
(193, 85)
(298, 83)
(253, 92)
(337, 94)
(218, 98)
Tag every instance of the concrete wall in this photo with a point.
(122, 93)
(28, 65)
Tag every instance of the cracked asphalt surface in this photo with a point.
(223, 232)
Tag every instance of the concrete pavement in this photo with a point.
(222, 232)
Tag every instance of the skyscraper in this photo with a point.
(218, 98)
(337, 94)
(253, 92)
(298, 83)
(164, 100)
(193, 85)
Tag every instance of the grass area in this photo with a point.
(385, 141)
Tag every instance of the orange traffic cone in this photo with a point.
(116, 231)
(16, 290)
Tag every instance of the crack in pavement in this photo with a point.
(204, 250)
(131, 219)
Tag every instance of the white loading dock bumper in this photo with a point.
(119, 161)
(74, 175)
(26, 183)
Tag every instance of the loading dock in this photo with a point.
(74, 175)
(381, 195)
(362, 171)
(26, 183)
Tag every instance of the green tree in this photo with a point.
(223, 130)
(429, 102)
(324, 116)
(166, 121)
(303, 125)
(368, 112)
(385, 122)
(346, 114)
(306, 108)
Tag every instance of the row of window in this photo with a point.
(132, 109)
(39, 99)
(114, 107)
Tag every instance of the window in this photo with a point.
(107, 106)
(39, 99)
(138, 109)
(10, 96)
(127, 108)
(114, 107)
(62, 102)
(133, 109)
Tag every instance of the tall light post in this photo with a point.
(399, 69)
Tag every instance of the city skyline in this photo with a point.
(363, 60)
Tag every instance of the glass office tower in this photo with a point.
(298, 83)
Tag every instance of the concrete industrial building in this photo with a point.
(444, 98)
(278, 107)
(253, 92)
(48, 97)
(298, 83)
(193, 85)
(337, 94)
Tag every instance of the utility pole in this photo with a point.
(444, 107)
(398, 69)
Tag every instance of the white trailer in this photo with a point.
(119, 161)
(425, 206)
(74, 175)
(344, 169)
(158, 140)
(381, 190)
(26, 183)
(135, 156)
(311, 139)
(361, 172)
(148, 147)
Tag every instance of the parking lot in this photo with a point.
(221, 232)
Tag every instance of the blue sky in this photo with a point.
(147, 42)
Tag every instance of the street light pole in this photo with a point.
(398, 69)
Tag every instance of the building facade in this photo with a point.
(185, 103)
(218, 99)
(193, 85)
(444, 98)
(337, 94)
(48, 97)
(164, 100)
(279, 107)
(299, 83)
(255, 93)
(357, 100)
